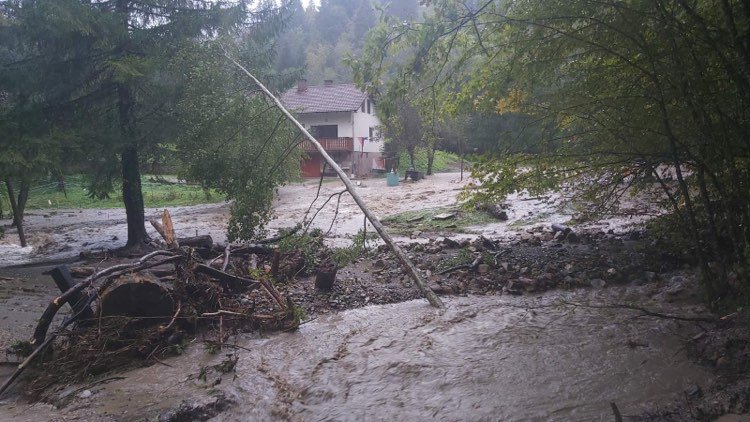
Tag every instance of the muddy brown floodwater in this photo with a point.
(484, 358)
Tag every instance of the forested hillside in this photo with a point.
(317, 39)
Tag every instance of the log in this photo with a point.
(251, 248)
(40, 333)
(81, 272)
(138, 295)
(42, 341)
(77, 301)
(202, 241)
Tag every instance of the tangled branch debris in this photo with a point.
(139, 311)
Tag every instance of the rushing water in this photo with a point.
(484, 358)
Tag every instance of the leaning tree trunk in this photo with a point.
(17, 212)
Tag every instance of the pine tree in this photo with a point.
(102, 70)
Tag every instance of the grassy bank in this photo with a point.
(156, 194)
(444, 161)
(408, 222)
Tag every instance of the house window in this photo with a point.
(326, 131)
(369, 107)
(363, 105)
(372, 134)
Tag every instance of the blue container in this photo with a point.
(392, 179)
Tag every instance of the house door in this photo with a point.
(311, 165)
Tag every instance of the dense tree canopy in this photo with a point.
(109, 79)
(618, 94)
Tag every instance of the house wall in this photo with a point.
(366, 156)
(362, 122)
(343, 120)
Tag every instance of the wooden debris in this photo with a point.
(325, 276)
(144, 307)
(140, 295)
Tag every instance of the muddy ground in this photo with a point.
(522, 258)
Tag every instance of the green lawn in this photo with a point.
(155, 195)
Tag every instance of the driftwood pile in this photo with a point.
(140, 311)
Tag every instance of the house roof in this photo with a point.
(324, 98)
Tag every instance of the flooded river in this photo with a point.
(484, 358)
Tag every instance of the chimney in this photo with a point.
(328, 82)
(302, 85)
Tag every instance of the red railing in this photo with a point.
(331, 144)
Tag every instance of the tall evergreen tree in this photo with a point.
(112, 62)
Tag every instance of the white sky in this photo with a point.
(306, 2)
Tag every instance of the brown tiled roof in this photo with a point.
(324, 98)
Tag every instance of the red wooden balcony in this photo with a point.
(331, 144)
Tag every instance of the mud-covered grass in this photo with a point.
(424, 221)
(157, 192)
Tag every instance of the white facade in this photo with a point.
(343, 118)
(364, 124)
(355, 125)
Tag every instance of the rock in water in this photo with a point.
(496, 211)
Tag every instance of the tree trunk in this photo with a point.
(411, 158)
(430, 160)
(17, 212)
(133, 198)
(23, 196)
(461, 153)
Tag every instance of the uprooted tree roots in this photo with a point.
(137, 313)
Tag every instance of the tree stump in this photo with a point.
(326, 276)
(139, 295)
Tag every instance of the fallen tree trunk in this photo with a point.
(202, 241)
(44, 322)
(82, 272)
(79, 300)
(400, 255)
(137, 295)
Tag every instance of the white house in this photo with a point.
(342, 118)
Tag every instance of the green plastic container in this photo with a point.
(392, 179)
